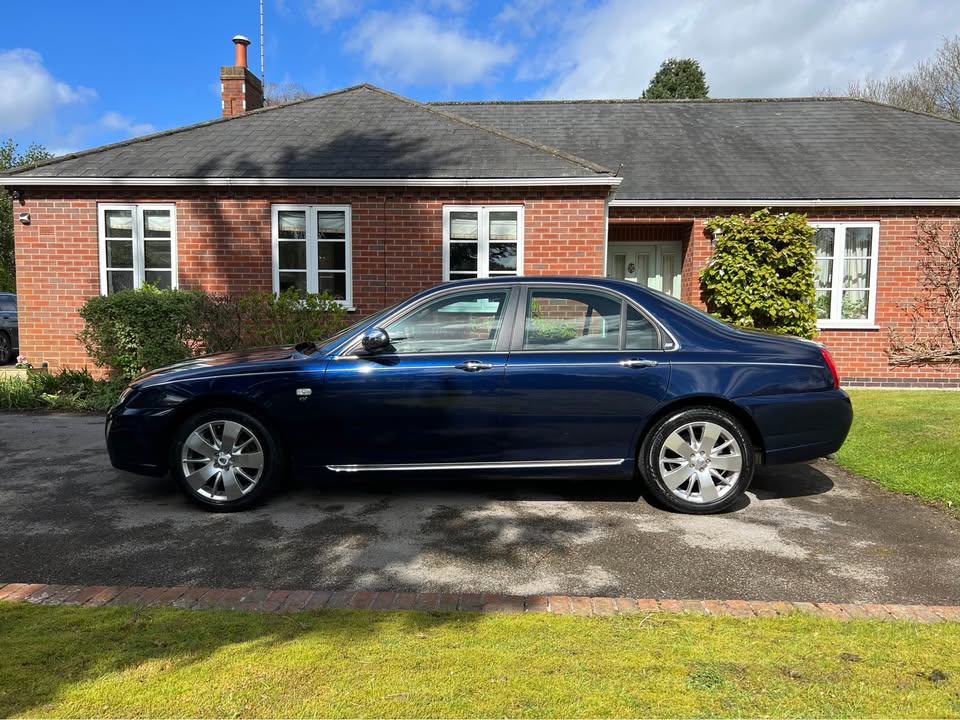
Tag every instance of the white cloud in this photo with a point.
(130, 128)
(747, 47)
(28, 92)
(413, 49)
(324, 13)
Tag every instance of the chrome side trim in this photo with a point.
(745, 362)
(530, 464)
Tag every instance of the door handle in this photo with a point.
(473, 366)
(638, 363)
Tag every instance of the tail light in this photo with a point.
(828, 358)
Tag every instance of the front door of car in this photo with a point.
(432, 397)
(586, 369)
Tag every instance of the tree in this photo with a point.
(935, 312)
(9, 158)
(932, 86)
(279, 93)
(761, 272)
(678, 79)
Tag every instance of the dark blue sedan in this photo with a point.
(581, 377)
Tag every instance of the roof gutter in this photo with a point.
(24, 180)
(792, 202)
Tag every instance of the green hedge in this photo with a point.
(133, 331)
(761, 272)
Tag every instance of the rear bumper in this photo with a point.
(137, 440)
(800, 426)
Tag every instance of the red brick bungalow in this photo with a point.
(373, 196)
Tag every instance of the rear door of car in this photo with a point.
(433, 397)
(586, 368)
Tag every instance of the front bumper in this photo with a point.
(137, 440)
(798, 427)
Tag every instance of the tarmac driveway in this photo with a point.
(803, 533)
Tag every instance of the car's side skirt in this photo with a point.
(525, 465)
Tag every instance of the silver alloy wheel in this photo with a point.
(700, 462)
(222, 460)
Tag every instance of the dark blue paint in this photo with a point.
(530, 405)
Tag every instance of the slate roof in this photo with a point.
(358, 132)
(812, 148)
(777, 149)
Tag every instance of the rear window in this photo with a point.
(8, 304)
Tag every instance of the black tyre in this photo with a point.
(6, 348)
(698, 460)
(224, 460)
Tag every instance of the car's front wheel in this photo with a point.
(698, 460)
(225, 460)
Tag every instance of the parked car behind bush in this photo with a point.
(9, 328)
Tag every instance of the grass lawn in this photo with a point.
(67, 661)
(908, 441)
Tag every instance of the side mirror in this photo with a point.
(375, 339)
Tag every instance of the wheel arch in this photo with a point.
(711, 401)
(226, 401)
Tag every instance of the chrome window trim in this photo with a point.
(521, 317)
(516, 283)
(354, 343)
(502, 465)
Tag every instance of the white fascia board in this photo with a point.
(16, 181)
(865, 202)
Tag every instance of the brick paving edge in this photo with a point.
(260, 600)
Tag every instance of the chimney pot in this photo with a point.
(240, 89)
(241, 42)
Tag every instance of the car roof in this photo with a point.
(540, 279)
(609, 283)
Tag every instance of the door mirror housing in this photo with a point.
(375, 339)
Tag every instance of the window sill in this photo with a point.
(827, 325)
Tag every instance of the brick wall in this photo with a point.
(224, 245)
(859, 354)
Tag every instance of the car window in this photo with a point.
(461, 322)
(561, 319)
(7, 305)
(641, 333)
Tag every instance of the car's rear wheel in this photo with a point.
(699, 460)
(6, 348)
(225, 460)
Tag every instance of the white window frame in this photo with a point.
(835, 321)
(310, 211)
(138, 268)
(483, 237)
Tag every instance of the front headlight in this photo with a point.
(128, 391)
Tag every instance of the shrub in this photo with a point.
(288, 318)
(761, 273)
(137, 330)
(66, 391)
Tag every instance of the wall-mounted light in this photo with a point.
(25, 218)
(17, 195)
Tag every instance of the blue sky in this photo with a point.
(76, 74)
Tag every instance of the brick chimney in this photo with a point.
(240, 89)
